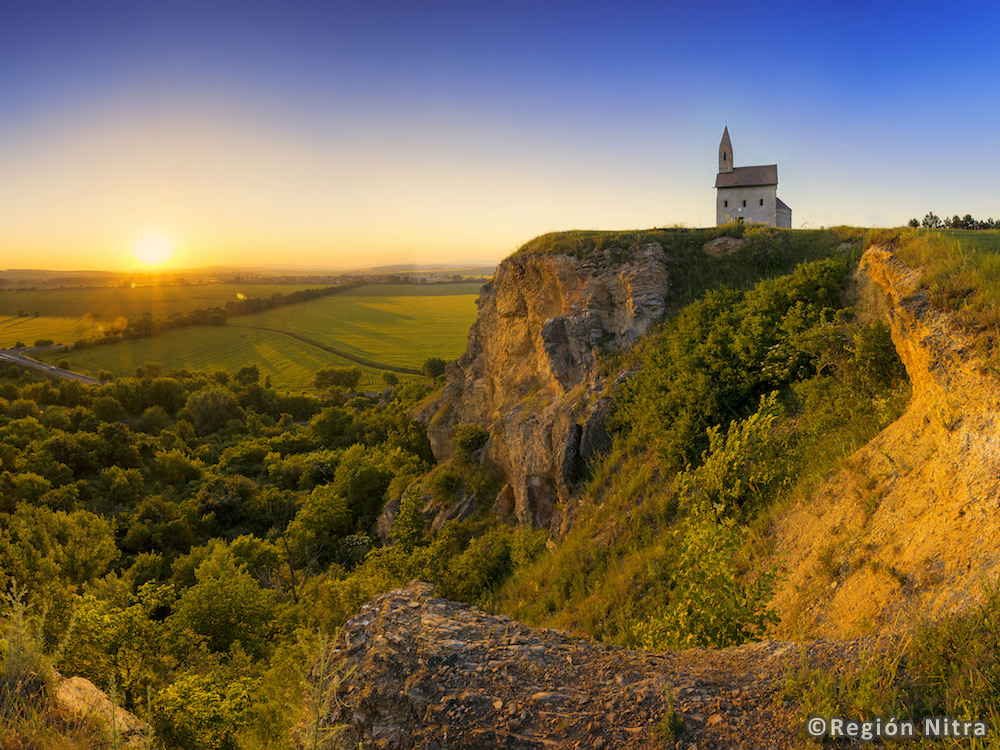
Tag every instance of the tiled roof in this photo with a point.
(781, 203)
(765, 174)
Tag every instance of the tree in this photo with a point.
(342, 377)
(391, 379)
(433, 367)
(914, 223)
(224, 606)
(211, 408)
(247, 375)
(931, 221)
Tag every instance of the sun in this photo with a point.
(153, 249)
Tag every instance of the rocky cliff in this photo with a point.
(908, 528)
(423, 672)
(531, 372)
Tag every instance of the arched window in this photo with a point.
(744, 204)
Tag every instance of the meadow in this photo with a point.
(377, 328)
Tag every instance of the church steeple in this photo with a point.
(725, 153)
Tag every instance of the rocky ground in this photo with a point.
(423, 672)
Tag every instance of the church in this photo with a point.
(748, 194)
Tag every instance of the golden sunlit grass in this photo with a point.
(153, 249)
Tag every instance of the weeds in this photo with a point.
(322, 702)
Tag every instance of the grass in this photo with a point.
(290, 363)
(961, 269)
(28, 330)
(396, 325)
(375, 327)
(949, 667)
(767, 252)
(109, 303)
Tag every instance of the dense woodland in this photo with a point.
(191, 542)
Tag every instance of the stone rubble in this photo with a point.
(427, 673)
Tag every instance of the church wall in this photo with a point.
(753, 211)
(785, 218)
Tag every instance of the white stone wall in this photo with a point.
(753, 211)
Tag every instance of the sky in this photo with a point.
(353, 134)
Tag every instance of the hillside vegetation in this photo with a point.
(191, 541)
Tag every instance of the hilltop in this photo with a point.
(877, 431)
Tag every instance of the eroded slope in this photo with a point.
(909, 527)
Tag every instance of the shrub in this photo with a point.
(433, 367)
(708, 603)
(204, 711)
(337, 377)
(468, 439)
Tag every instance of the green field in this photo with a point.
(389, 326)
(108, 303)
(395, 325)
(29, 330)
(290, 363)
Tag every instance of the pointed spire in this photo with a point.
(725, 152)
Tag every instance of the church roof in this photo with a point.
(765, 174)
(781, 203)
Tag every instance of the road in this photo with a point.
(19, 357)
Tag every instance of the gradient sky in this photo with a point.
(360, 133)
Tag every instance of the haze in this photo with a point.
(356, 134)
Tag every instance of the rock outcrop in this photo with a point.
(908, 528)
(531, 371)
(423, 672)
(79, 698)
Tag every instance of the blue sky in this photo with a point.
(357, 133)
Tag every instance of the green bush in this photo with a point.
(708, 602)
(468, 439)
(204, 712)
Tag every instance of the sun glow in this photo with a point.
(153, 249)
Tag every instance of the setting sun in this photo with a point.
(153, 249)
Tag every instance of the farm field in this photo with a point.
(28, 330)
(396, 325)
(113, 302)
(290, 363)
(388, 326)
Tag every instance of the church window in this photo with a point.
(725, 204)
(725, 156)
(762, 201)
(744, 204)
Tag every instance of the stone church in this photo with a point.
(748, 194)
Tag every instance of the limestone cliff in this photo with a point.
(531, 371)
(908, 528)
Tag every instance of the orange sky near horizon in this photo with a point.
(230, 191)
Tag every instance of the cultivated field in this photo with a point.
(108, 303)
(394, 325)
(31, 329)
(375, 327)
